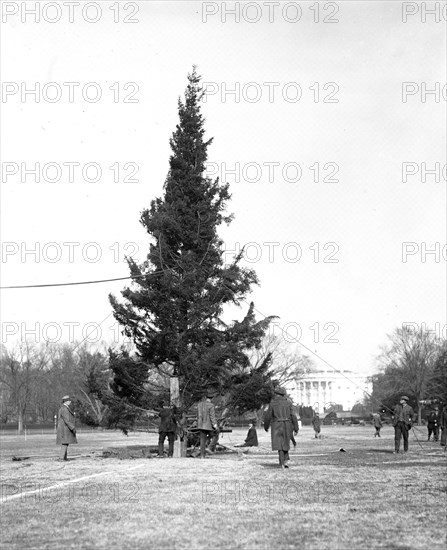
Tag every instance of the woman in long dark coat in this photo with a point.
(283, 422)
(66, 430)
(316, 423)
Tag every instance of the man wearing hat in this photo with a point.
(283, 421)
(402, 421)
(206, 420)
(66, 431)
(167, 429)
(433, 422)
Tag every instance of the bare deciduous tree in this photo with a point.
(287, 364)
(20, 371)
(408, 360)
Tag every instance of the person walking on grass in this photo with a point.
(377, 421)
(283, 422)
(433, 422)
(402, 422)
(66, 430)
(316, 423)
(166, 429)
(206, 420)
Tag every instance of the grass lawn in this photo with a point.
(364, 498)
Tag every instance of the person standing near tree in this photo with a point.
(166, 429)
(206, 420)
(402, 422)
(283, 421)
(66, 430)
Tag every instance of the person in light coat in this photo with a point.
(206, 420)
(66, 430)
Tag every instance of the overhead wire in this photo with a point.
(81, 282)
(134, 277)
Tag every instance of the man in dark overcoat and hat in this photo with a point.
(167, 429)
(433, 422)
(66, 430)
(402, 422)
(283, 422)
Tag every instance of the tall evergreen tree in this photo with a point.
(173, 311)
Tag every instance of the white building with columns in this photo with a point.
(319, 389)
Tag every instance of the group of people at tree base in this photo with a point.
(279, 417)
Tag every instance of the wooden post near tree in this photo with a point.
(179, 445)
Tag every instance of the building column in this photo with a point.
(308, 393)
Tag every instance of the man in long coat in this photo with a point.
(377, 421)
(206, 420)
(283, 422)
(167, 429)
(66, 430)
(402, 422)
(433, 423)
(316, 423)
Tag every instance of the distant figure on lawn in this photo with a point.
(433, 422)
(66, 430)
(252, 436)
(377, 421)
(316, 423)
(206, 420)
(402, 422)
(443, 423)
(283, 422)
(167, 429)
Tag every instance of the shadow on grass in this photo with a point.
(270, 465)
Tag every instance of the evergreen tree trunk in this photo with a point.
(181, 442)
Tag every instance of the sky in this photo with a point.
(328, 122)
